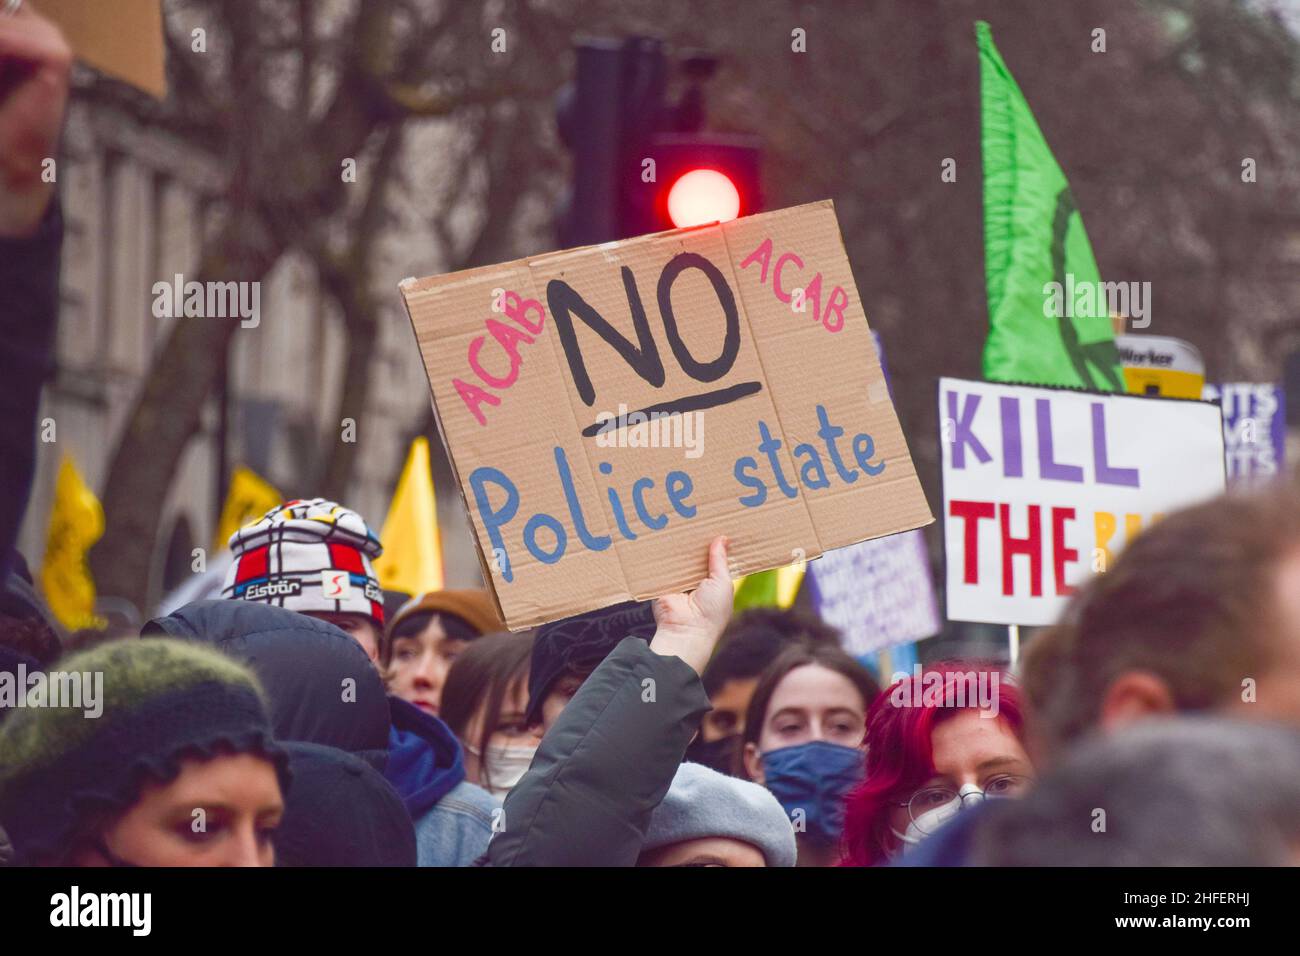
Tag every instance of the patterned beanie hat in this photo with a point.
(308, 556)
(128, 711)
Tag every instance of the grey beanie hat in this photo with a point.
(704, 803)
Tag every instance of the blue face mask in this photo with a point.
(810, 781)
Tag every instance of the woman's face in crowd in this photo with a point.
(419, 665)
(727, 718)
(511, 728)
(240, 803)
(970, 750)
(810, 703)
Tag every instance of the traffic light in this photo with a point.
(702, 195)
(699, 178)
(639, 164)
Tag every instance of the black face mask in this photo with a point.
(719, 755)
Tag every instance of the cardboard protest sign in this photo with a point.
(1254, 429)
(609, 410)
(877, 593)
(123, 39)
(1043, 487)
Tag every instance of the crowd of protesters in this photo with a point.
(289, 720)
(1157, 723)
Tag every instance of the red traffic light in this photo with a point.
(702, 196)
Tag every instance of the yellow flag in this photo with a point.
(76, 523)
(412, 558)
(250, 496)
(788, 580)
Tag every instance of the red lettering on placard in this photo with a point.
(1060, 553)
(510, 339)
(761, 255)
(813, 293)
(835, 306)
(517, 308)
(970, 512)
(831, 318)
(779, 292)
(1031, 545)
(473, 397)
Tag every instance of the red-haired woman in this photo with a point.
(940, 741)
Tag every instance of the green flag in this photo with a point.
(755, 590)
(1048, 318)
(775, 588)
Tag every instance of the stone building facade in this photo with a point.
(137, 205)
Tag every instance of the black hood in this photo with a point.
(19, 600)
(581, 642)
(18, 597)
(321, 686)
(340, 811)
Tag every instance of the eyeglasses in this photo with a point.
(928, 799)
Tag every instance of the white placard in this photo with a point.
(1042, 487)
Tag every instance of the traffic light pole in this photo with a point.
(630, 148)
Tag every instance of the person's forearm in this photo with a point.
(694, 653)
(605, 764)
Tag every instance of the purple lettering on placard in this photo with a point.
(1048, 467)
(1012, 466)
(962, 434)
(1106, 475)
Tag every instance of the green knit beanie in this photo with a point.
(145, 705)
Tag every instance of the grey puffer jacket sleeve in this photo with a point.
(605, 765)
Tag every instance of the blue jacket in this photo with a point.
(453, 818)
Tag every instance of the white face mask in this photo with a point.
(502, 767)
(931, 820)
